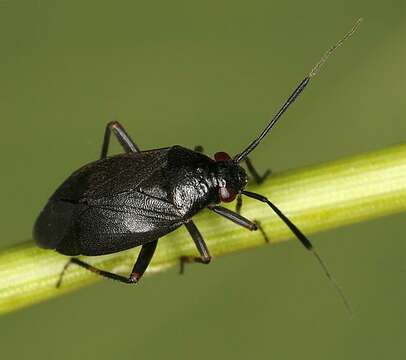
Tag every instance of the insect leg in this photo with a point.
(256, 222)
(240, 220)
(238, 205)
(143, 260)
(141, 264)
(234, 217)
(124, 139)
(254, 173)
(205, 256)
(258, 180)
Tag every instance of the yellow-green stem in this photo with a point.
(316, 198)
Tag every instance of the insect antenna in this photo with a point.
(306, 243)
(295, 94)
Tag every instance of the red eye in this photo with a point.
(226, 195)
(221, 156)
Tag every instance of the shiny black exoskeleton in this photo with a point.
(135, 198)
(131, 199)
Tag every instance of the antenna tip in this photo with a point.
(327, 54)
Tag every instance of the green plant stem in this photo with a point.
(316, 198)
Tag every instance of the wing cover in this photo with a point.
(110, 205)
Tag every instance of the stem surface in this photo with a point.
(315, 198)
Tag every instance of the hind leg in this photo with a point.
(123, 138)
(141, 264)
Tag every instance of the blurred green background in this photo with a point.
(207, 73)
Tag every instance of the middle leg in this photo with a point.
(201, 246)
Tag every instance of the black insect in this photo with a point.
(135, 198)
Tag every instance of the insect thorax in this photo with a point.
(198, 187)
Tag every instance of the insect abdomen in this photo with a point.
(54, 226)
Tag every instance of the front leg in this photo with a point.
(259, 179)
(234, 217)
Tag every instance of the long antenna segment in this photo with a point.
(295, 94)
(306, 243)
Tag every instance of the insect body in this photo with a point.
(132, 199)
(135, 198)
